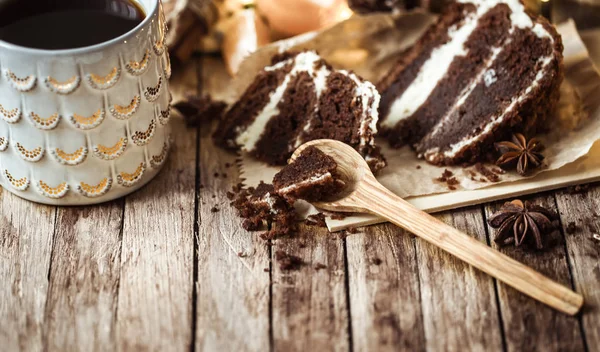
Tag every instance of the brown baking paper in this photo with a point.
(368, 45)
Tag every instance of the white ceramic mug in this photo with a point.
(86, 125)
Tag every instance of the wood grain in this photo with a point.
(233, 292)
(309, 305)
(385, 298)
(459, 301)
(155, 294)
(26, 232)
(529, 325)
(84, 280)
(584, 254)
(232, 308)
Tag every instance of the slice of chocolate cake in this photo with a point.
(312, 176)
(298, 99)
(485, 69)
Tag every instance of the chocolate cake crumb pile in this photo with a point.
(316, 220)
(338, 216)
(268, 205)
(287, 261)
(487, 173)
(449, 179)
(198, 110)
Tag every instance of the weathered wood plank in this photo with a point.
(459, 301)
(155, 293)
(26, 232)
(385, 299)
(232, 309)
(530, 325)
(584, 254)
(82, 293)
(310, 311)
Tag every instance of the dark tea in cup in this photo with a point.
(66, 24)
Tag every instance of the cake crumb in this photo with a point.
(230, 195)
(266, 270)
(320, 266)
(316, 220)
(578, 189)
(445, 175)
(214, 210)
(489, 175)
(376, 261)
(287, 261)
(452, 188)
(227, 165)
(338, 216)
(197, 110)
(418, 167)
(241, 254)
(571, 228)
(216, 174)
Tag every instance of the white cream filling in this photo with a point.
(304, 183)
(370, 111)
(467, 91)
(465, 142)
(436, 67)
(303, 62)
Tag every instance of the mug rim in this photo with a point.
(86, 49)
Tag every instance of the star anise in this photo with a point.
(197, 110)
(520, 153)
(516, 221)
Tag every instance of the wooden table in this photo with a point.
(160, 270)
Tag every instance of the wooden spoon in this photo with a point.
(364, 194)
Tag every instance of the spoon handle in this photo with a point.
(470, 250)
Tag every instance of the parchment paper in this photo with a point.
(576, 125)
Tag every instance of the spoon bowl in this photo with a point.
(364, 194)
(352, 169)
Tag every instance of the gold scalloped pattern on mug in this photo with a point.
(138, 68)
(22, 84)
(159, 45)
(128, 180)
(52, 192)
(48, 123)
(10, 116)
(164, 115)
(88, 123)
(156, 161)
(142, 138)
(70, 159)
(125, 112)
(64, 88)
(167, 69)
(111, 153)
(152, 93)
(95, 191)
(104, 82)
(20, 184)
(33, 155)
(3, 143)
